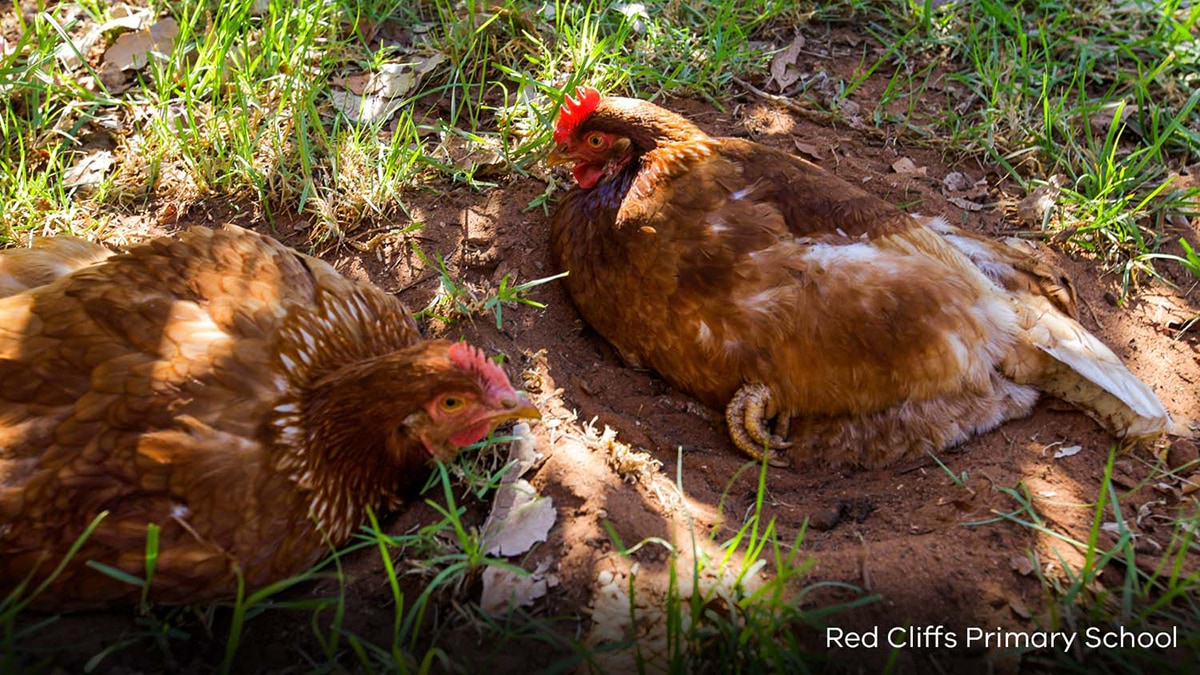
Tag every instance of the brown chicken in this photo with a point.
(757, 281)
(245, 398)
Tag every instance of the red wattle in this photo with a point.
(472, 435)
(587, 174)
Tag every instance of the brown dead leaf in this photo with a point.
(368, 109)
(1021, 565)
(785, 70)
(115, 80)
(90, 170)
(1032, 210)
(132, 50)
(956, 181)
(965, 204)
(904, 165)
(808, 150)
(355, 83)
(1067, 451)
(1019, 608)
(369, 96)
(480, 155)
(1102, 120)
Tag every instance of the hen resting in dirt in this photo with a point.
(247, 399)
(755, 280)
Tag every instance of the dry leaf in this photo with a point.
(370, 96)
(519, 517)
(849, 108)
(808, 150)
(1032, 210)
(525, 522)
(784, 69)
(1021, 565)
(501, 586)
(481, 155)
(132, 51)
(89, 170)
(965, 204)
(956, 181)
(115, 80)
(906, 165)
(124, 18)
(1067, 451)
(1019, 608)
(367, 109)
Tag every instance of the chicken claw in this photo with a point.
(747, 416)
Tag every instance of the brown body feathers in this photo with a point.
(752, 279)
(245, 398)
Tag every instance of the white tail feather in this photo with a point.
(1085, 372)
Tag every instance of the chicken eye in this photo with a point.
(451, 403)
(595, 140)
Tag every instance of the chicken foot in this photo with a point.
(747, 416)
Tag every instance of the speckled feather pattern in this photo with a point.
(163, 385)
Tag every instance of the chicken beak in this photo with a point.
(559, 156)
(515, 408)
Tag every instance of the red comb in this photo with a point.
(471, 360)
(575, 111)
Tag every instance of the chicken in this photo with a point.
(48, 259)
(245, 398)
(757, 281)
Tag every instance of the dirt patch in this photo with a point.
(901, 533)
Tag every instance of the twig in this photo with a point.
(807, 113)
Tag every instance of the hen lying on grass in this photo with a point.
(758, 281)
(245, 398)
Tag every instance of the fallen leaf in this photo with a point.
(132, 51)
(635, 14)
(1067, 451)
(784, 69)
(518, 520)
(1102, 120)
(481, 155)
(955, 181)
(1019, 608)
(809, 150)
(965, 204)
(524, 523)
(501, 586)
(367, 109)
(90, 170)
(1021, 565)
(1032, 210)
(392, 80)
(369, 95)
(115, 80)
(519, 517)
(906, 165)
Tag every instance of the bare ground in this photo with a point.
(897, 532)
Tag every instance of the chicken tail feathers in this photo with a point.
(1060, 357)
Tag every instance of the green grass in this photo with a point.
(240, 111)
(1153, 597)
(241, 106)
(1102, 95)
